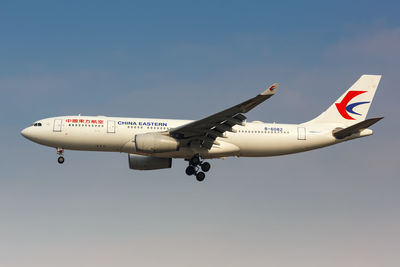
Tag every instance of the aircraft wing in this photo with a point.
(206, 130)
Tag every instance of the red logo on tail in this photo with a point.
(343, 108)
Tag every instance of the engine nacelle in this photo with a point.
(155, 143)
(138, 162)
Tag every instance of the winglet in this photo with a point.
(270, 90)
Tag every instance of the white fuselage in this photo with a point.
(116, 134)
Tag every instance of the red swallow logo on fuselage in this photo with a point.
(343, 107)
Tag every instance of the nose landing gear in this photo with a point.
(60, 154)
(195, 165)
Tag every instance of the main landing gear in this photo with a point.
(60, 154)
(195, 165)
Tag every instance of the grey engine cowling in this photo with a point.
(139, 162)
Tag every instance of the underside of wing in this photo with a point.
(204, 132)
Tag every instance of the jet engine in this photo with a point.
(138, 162)
(155, 143)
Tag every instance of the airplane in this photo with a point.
(152, 143)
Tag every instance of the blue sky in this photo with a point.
(336, 206)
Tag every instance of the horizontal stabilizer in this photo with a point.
(342, 133)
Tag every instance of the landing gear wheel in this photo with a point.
(190, 170)
(194, 161)
(61, 160)
(200, 176)
(205, 166)
(60, 154)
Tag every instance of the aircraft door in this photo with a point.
(301, 133)
(110, 126)
(57, 125)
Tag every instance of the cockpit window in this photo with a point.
(37, 124)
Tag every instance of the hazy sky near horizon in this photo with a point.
(337, 206)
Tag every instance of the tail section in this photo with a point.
(352, 107)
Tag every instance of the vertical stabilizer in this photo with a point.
(352, 107)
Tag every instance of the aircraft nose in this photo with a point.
(25, 133)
